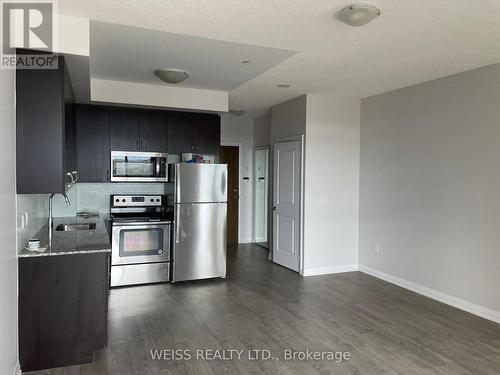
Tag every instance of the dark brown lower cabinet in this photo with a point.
(63, 309)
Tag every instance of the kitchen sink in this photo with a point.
(72, 227)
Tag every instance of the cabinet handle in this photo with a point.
(71, 177)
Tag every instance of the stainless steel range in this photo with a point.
(141, 239)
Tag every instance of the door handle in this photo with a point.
(274, 208)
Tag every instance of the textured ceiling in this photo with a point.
(412, 41)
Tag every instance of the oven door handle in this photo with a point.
(136, 223)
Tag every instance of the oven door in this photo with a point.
(135, 243)
(138, 166)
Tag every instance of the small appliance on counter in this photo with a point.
(141, 239)
(197, 158)
(200, 216)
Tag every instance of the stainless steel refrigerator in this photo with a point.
(200, 221)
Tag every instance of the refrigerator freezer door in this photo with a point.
(200, 183)
(199, 241)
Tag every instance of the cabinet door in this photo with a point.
(125, 129)
(181, 130)
(40, 122)
(154, 131)
(207, 134)
(70, 138)
(62, 309)
(93, 137)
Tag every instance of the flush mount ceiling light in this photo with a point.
(283, 86)
(358, 14)
(171, 75)
(236, 112)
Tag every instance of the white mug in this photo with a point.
(34, 244)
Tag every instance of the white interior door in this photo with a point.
(286, 204)
(261, 199)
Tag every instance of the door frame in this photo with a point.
(240, 147)
(301, 139)
(269, 175)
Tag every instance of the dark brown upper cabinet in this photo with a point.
(45, 133)
(93, 138)
(153, 131)
(181, 130)
(194, 132)
(207, 134)
(138, 130)
(125, 129)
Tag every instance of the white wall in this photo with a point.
(239, 130)
(288, 119)
(8, 250)
(331, 185)
(430, 188)
(262, 130)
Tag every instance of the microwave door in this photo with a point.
(138, 166)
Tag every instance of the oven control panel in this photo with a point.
(136, 200)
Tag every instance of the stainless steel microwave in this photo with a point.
(130, 166)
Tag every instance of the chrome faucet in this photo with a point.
(51, 220)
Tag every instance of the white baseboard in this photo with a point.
(329, 270)
(472, 308)
(17, 369)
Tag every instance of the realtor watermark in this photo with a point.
(167, 354)
(28, 35)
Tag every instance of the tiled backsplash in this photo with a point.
(83, 197)
(95, 197)
(36, 207)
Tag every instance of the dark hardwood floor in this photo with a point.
(386, 329)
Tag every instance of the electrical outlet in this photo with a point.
(23, 218)
(377, 248)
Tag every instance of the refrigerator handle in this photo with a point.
(176, 224)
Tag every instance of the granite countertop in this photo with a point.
(72, 242)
